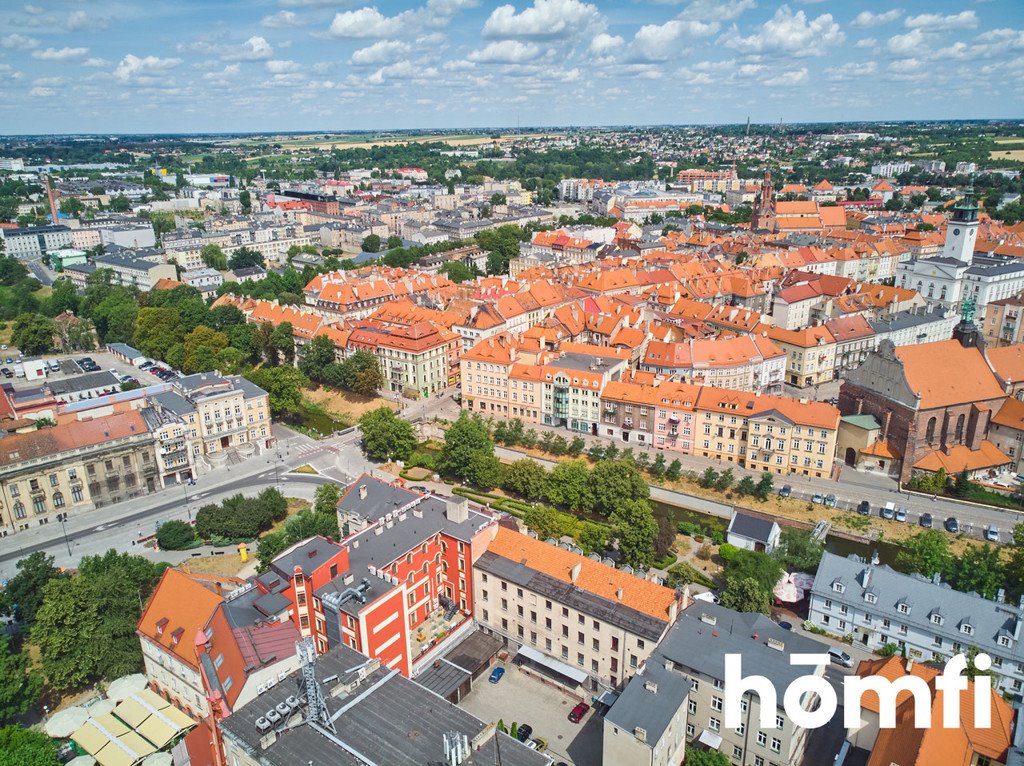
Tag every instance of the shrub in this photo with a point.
(727, 552)
(175, 535)
(682, 573)
(419, 459)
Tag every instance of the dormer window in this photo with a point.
(903, 607)
(161, 626)
(176, 636)
(967, 629)
(1004, 640)
(936, 619)
(871, 598)
(838, 587)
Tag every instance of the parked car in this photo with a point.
(53, 365)
(524, 731)
(539, 744)
(786, 625)
(419, 488)
(818, 499)
(888, 511)
(577, 713)
(830, 501)
(925, 520)
(840, 657)
(7, 372)
(864, 508)
(992, 534)
(952, 525)
(496, 674)
(8, 360)
(901, 514)
(786, 491)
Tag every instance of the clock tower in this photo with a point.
(962, 232)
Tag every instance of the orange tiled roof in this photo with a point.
(179, 608)
(594, 577)
(1007, 361)
(945, 373)
(961, 458)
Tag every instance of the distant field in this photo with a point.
(1009, 154)
(362, 142)
(1009, 140)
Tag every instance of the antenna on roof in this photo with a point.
(317, 711)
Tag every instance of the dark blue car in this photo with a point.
(496, 675)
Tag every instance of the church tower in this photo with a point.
(962, 232)
(764, 208)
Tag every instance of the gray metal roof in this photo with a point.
(603, 609)
(906, 319)
(990, 619)
(87, 382)
(751, 527)
(382, 719)
(308, 556)
(651, 709)
(381, 498)
(174, 402)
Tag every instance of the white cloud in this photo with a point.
(380, 52)
(402, 70)
(229, 70)
(506, 52)
(144, 70)
(716, 10)
(867, 42)
(40, 92)
(254, 49)
(79, 20)
(10, 72)
(906, 66)
(906, 44)
(851, 71)
(605, 43)
(18, 42)
(790, 78)
(281, 20)
(545, 19)
(867, 19)
(32, 10)
(281, 67)
(365, 22)
(96, 63)
(936, 22)
(789, 33)
(60, 54)
(659, 42)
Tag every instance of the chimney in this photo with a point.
(910, 665)
(937, 578)
(618, 594)
(362, 491)
(575, 571)
(457, 510)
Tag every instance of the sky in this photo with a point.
(114, 66)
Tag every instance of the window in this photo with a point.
(762, 738)
(716, 703)
(692, 707)
(780, 723)
(714, 724)
(58, 500)
(929, 433)
(776, 745)
(737, 752)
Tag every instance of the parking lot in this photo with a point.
(524, 699)
(69, 367)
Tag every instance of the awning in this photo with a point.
(709, 738)
(552, 664)
(608, 698)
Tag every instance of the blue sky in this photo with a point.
(77, 66)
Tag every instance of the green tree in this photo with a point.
(746, 486)
(325, 499)
(926, 553)
(696, 757)
(361, 374)
(765, 486)
(62, 298)
(484, 471)
(71, 206)
(543, 520)
(756, 565)
(635, 529)
(746, 594)
(284, 386)
(798, 551)
(657, 469)
(201, 347)
(156, 330)
(467, 437)
(674, 470)
(214, 257)
(615, 481)
(386, 436)
(1014, 567)
(308, 523)
(282, 340)
(709, 478)
(20, 686)
(979, 570)
(316, 356)
(371, 243)
(568, 485)
(244, 257)
(23, 595)
(26, 747)
(525, 478)
(724, 480)
(33, 334)
(175, 535)
(457, 271)
(245, 200)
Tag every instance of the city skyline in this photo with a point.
(297, 65)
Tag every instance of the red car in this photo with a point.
(577, 713)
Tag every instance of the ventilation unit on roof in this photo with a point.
(273, 716)
(260, 688)
(283, 708)
(292, 702)
(262, 724)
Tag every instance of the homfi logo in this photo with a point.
(801, 693)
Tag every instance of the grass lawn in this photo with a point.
(228, 565)
(306, 469)
(345, 403)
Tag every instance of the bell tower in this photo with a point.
(962, 232)
(764, 208)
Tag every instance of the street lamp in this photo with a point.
(188, 508)
(63, 517)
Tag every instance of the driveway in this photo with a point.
(521, 698)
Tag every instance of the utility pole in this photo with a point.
(63, 517)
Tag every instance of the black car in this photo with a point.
(952, 525)
(786, 491)
(524, 732)
(864, 508)
(7, 372)
(925, 520)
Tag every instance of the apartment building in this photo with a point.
(126, 271)
(76, 465)
(223, 412)
(714, 181)
(584, 621)
(202, 634)
(768, 433)
(658, 414)
(204, 279)
(925, 618)
(485, 370)
(678, 699)
(31, 242)
(743, 362)
(420, 358)
(810, 354)
(1004, 321)
(409, 558)
(908, 328)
